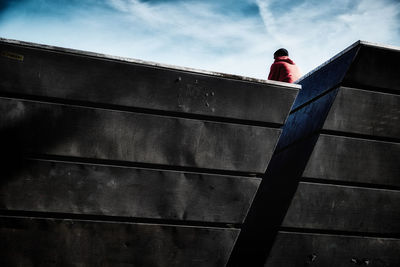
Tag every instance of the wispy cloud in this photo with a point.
(230, 36)
(194, 30)
(316, 30)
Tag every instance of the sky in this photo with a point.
(230, 36)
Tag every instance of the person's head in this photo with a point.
(281, 52)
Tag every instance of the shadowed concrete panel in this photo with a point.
(344, 208)
(375, 67)
(103, 134)
(325, 78)
(71, 76)
(306, 121)
(302, 249)
(270, 204)
(48, 186)
(355, 160)
(49, 242)
(363, 112)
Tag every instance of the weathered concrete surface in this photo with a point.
(82, 76)
(355, 160)
(323, 250)
(335, 170)
(62, 187)
(375, 66)
(50, 242)
(364, 112)
(141, 164)
(73, 131)
(344, 208)
(338, 151)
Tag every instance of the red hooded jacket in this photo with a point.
(284, 70)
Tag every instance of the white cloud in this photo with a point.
(316, 31)
(197, 36)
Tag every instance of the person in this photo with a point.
(283, 69)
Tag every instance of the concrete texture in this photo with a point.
(335, 170)
(110, 161)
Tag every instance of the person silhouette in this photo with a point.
(283, 69)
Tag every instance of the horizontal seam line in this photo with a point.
(349, 183)
(141, 165)
(360, 136)
(339, 232)
(147, 111)
(107, 218)
(370, 88)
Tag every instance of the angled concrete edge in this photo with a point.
(357, 43)
(149, 63)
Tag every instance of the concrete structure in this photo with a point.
(331, 194)
(115, 162)
(109, 161)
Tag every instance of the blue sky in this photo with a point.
(230, 36)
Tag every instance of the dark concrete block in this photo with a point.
(302, 249)
(81, 76)
(363, 112)
(111, 135)
(362, 65)
(50, 242)
(376, 67)
(47, 186)
(355, 160)
(344, 208)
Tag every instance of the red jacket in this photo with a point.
(284, 70)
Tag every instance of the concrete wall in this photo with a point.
(115, 162)
(345, 210)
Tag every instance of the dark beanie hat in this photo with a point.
(281, 52)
